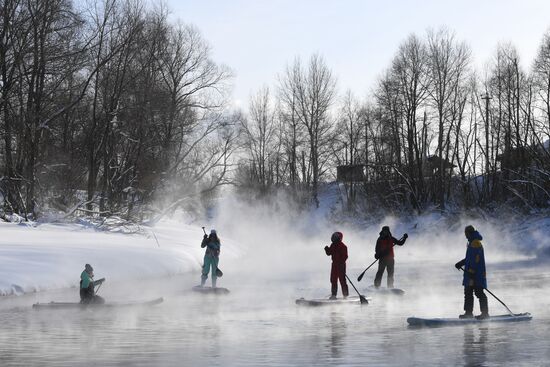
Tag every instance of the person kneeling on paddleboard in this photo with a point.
(87, 286)
(385, 256)
(474, 280)
(211, 257)
(339, 252)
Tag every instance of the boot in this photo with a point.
(467, 315)
(332, 298)
(483, 316)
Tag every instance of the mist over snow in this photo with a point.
(50, 256)
(261, 242)
(272, 254)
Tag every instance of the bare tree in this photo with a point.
(448, 64)
(312, 91)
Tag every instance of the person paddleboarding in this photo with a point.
(384, 254)
(87, 286)
(475, 277)
(339, 253)
(211, 257)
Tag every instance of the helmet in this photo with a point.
(336, 237)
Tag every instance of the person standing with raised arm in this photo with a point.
(211, 257)
(384, 254)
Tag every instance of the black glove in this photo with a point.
(405, 236)
(376, 256)
(459, 264)
(205, 236)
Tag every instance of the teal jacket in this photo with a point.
(85, 280)
(212, 247)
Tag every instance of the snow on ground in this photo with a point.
(277, 239)
(51, 256)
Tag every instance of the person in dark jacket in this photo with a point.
(339, 252)
(211, 257)
(385, 256)
(474, 280)
(87, 286)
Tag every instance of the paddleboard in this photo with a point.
(65, 305)
(417, 321)
(384, 290)
(210, 290)
(353, 300)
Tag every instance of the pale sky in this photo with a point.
(358, 39)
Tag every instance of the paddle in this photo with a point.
(361, 297)
(219, 272)
(498, 299)
(363, 273)
(99, 282)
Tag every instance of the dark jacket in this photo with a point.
(212, 245)
(384, 246)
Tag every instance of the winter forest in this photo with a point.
(109, 108)
(274, 183)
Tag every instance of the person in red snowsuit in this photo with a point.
(339, 253)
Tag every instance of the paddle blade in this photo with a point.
(360, 276)
(219, 273)
(363, 300)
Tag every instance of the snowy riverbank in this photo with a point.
(51, 256)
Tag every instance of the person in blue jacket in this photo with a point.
(211, 257)
(475, 277)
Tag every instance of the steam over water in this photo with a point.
(259, 324)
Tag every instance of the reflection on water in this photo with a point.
(337, 334)
(263, 327)
(475, 345)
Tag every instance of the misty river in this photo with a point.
(260, 324)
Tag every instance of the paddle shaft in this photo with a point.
(492, 294)
(98, 288)
(362, 298)
(155, 236)
(498, 299)
(363, 273)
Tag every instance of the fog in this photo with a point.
(272, 255)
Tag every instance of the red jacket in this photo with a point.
(384, 246)
(338, 251)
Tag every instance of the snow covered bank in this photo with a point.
(280, 242)
(52, 256)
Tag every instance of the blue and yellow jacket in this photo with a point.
(474, 263)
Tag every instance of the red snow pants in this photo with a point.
(338, 273)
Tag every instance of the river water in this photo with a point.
(260, 325)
